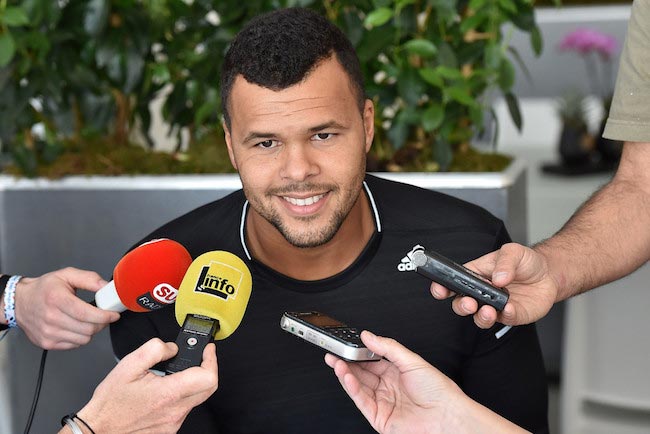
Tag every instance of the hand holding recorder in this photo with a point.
(457, 278)
(404, 394)
(132, 399)
(524, 271)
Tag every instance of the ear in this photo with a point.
(228, 138)
(369, 123)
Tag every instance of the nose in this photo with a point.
(299, 162)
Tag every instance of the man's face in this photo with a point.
(301, 151)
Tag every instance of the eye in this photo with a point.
(323, 136)
(267, 144)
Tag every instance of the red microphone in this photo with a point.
(147, 278)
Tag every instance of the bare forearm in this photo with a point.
(473, 418)
(609, 236)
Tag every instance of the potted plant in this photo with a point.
(580, 151)
(79, 74)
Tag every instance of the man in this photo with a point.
(130, 398)
(320, 234)
(609, 236)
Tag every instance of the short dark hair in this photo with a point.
(278, 49)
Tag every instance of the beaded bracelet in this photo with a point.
(10, 303)
(3, 282)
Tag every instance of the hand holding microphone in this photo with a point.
(50, 313)
(211, 302)
(54, 318)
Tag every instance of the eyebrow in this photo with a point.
(253, 135)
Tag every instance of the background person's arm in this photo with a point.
(607, 238)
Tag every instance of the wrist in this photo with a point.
(555, 273)
(9, 301)
(73, 423)
(4, 279)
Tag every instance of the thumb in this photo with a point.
(507, 260)
(146, 356)
(82, 279)
(392, 350)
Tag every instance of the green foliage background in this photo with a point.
(77, 77)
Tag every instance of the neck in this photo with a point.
(267, 245)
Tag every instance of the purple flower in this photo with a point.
(585, 41)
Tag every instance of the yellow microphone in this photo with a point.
(211, 302)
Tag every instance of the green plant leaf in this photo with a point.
(492, 55)
(421, 47)
(161, 73)
(14, 17)
(536, 41)
(508, 5)
(7, 48)
(506, 75)
(398, 132)
(442, 152)
(410, 86)
(524, 19)
(378, 17)
(520, 62)
(476, 4)
(374, 42)
(401, 4)
(449, 73)
(461, 95)
(432, 77)
(472, 22)
(353, 26)
(513, 108)
(446, 55)
(433, 117)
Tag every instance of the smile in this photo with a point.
(303, 202)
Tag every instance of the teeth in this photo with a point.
(304, 202)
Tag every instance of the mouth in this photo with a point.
(307, 201)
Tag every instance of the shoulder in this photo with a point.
(209, 225)
(420, 208)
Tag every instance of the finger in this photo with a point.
(366, 378)
(509, 257)
(485, 317)
(210, 357)
(146, 356)
(392, 350)
(81, 311)
(509, 315)
(464, 306)
(440, 292)
(82, 279)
